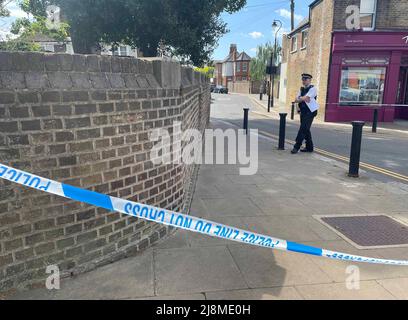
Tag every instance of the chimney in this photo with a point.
(233, 50)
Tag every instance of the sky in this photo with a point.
(5, 23)
(250, 27)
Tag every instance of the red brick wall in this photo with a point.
(84, 121)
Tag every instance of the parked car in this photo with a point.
(221, 89)
(212, 87)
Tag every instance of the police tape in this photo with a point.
(174, 219)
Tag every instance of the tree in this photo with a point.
(262, 60)
(208, 71)
(3, 11)
(191, 28)
(26, 29)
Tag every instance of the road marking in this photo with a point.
(347, 160)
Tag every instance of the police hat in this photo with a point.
(306, 75)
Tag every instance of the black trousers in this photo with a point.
(306, 122)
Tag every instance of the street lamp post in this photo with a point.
(271, 99)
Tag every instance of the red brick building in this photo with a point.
(355, 70)
(234, 68)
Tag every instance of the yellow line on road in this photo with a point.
(347, 160)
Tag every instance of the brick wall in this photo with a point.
(315, 58)
(391, 14)
(84, 121)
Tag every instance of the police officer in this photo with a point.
(308, 108)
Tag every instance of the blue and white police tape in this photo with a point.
(174, 219)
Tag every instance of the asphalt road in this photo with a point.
(385, 150)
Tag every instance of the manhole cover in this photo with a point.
(370, 231)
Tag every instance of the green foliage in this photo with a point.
(262, 60)
(3, 11)
(208, 71)
(19, 45)
(26, 29)
(190, 28)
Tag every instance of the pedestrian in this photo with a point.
(308, 108)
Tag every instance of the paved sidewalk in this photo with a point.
(280, 200)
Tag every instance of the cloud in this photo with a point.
(286, 14)
(256, 35)
(253, 50)
(15, 11)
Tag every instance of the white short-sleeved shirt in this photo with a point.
(313, 105)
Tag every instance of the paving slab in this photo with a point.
(369, 290)
(128, 278)
(196, 270)
(332, 205)
(383, 204)
(264, 268)
(278, 293)
(285, 206)
(231, 207)
(301, 228)
(397, 287)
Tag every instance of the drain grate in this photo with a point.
(370, 231)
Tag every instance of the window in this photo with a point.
(120, 51)
(305, 37)
(238, 67)
(362, 85)
(294, 44)
(368, 9)
(123, 51)
(244, 78)
(244, 67)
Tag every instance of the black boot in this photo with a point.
(295, 151)
(307, 150)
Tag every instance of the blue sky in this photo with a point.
(252, 26)
(249, 27)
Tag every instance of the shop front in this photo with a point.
(368, 70)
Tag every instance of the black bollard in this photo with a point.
(292, 115)
(282, 131)
(356, 149)
(246, 113)
(375, 120)
(261, 96)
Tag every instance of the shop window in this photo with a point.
(368, 9)
(305, 38)
(362, 86)
(294, 44)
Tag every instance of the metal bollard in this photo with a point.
(292, 115)
(375, 121)
(282, 131)
(246, 116)
(261, 96)
(356, 148)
